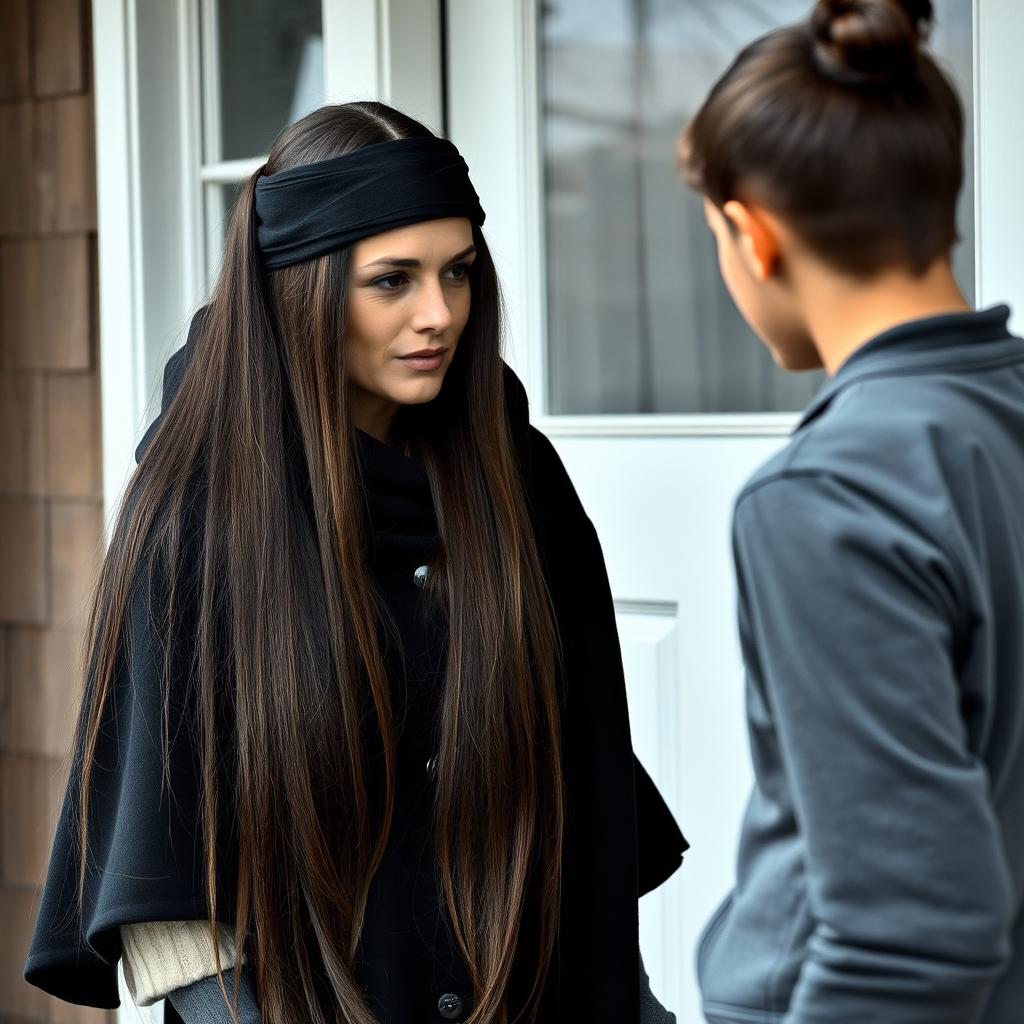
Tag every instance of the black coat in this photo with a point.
(621, 840)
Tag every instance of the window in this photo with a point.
(262, 68)
(638, 319)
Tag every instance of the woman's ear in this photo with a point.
(756, 238)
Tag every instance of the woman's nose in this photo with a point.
(432, 311)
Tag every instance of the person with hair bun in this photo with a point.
(354, 745)
(880, 555)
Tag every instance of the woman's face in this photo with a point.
(408, 303)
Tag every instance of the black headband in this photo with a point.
(304, 212)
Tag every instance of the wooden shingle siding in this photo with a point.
(46, 303)
(43, 666)
(73, 470)
(65, 165)
(15, 73)
(31, 788)
(17, 167)
(51, 483)
(76, 528)
(17, 912)
(59, 38)
(23, 469)
(24, 581)
(48, 164)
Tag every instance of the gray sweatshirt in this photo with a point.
(880, 567)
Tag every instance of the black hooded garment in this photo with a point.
(145, 855)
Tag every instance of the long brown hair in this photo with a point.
(847, 128)
(288, 617)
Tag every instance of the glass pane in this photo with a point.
(219, 205)
(269, 71)
(638, 319)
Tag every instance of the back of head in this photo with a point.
(846, 128)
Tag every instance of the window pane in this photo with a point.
(219, 201)
(269, 72)
(638, 319)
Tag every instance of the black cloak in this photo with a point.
(145, 853)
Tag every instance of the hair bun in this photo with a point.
(859, 42)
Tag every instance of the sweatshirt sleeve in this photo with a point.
(161, 956)
(848, 619)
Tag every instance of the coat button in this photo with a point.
(421, 575)
(450, 1006)
(432, 767)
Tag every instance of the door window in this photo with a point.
(262, 69)
(638, 319)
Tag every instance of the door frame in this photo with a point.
(151, 237)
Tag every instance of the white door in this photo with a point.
(659, 400)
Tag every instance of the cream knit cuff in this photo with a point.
(160, 956)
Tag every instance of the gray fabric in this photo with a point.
(651, 1011)
(203, 1001)
(880, 568)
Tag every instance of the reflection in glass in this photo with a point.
(270, 71)
(638, 319)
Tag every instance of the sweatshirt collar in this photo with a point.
(949, 340)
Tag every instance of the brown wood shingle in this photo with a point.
(22, 434)
(14, 49)
(24, 580)
(58, 47)
(30, 791)
(17, 167)
(73, 435)
(43, 691)
(64, 154)
(46, 304)
(76, 532)
(17, 912)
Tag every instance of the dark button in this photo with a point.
(421, 575)
(432, 767)
(450, 1006)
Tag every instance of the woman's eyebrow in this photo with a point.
(397, 261)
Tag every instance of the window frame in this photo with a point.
(505, 39)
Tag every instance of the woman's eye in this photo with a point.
(460, 272)
(389, 282)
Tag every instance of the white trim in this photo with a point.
(1000, 84)
(658, 609)
(488, 74)
(209, 60)
(351, 49)
(534, 237)
(976, 83)
(211, 205)
(230, 172)
(387, 50)
(190, 128)
(411, 59)
(117, 212)
(688, 425)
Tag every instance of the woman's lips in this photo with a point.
(430, 359)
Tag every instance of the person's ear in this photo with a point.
(756, 238)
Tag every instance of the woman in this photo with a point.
(880, 555)
(355, 725)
